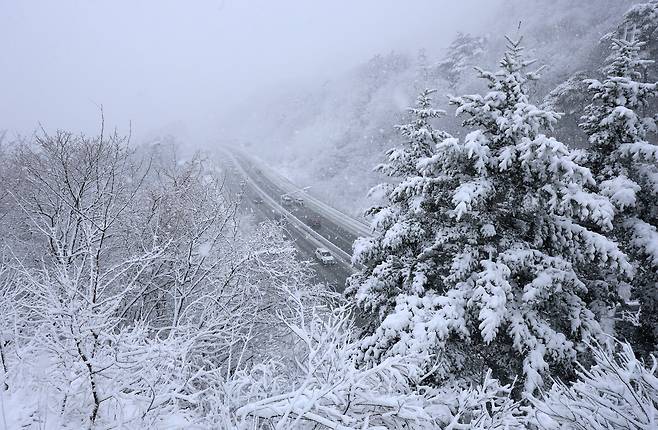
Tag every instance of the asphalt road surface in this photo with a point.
(247, 182)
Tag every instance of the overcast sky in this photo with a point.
(157, 62)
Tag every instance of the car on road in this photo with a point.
(314, 222)
(286, 200)
(299, 201)
(325, 256)
(258, 200)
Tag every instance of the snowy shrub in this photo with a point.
(332, 392)
(617, 392)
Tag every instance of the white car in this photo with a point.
(286, 200)
(325, 256)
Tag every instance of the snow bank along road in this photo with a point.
(261, 190)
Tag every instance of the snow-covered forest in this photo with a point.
(506, 276)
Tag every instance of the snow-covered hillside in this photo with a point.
(330, 136)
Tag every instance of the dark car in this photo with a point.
(314, 222)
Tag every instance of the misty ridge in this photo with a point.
(305, 215)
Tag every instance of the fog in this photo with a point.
(335, 214)
(180, 66)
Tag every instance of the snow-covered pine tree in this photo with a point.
(644, 18)
(404, 225)
(461, 54)
(486, 259)
(626, 165)
(421, 139)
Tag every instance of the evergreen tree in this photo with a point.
(486, 258)
(462, 52)
(421, 139)
(644, 18)
(407, 225)
(626, 165)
